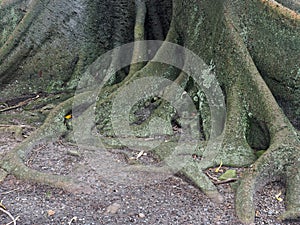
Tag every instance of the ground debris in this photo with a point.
(113, 208)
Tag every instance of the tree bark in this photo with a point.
(252, 47)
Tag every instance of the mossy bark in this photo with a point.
(252, 47)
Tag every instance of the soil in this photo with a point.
(117, 199)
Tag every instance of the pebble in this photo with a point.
(141, 215)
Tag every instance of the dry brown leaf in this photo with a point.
(51, 212)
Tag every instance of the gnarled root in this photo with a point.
(280, 162)
(13, 161)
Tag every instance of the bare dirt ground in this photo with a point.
(169, 200)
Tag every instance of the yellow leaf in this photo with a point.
(217, 170)
(68, 116)
(50, 212)
(278, 197)
(2, 206)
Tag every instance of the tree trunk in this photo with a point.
(252, 48)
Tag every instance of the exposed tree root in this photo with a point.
(15, 130)
(53, 127)
(247, 95)
(13, 161)
(139, 35)
(280, 162)
(14, 165)
(20, 104)
(12, 45)
(282, 157)
(236, 150)
(287, 13)
(194, 172)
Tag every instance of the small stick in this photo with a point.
(14, 220)
(210, 176)
(7, 192)
(73, 219)
(226, 181)
(217, 181)
(140, 154)
(17, 125)
(19, 104)
(10, 216)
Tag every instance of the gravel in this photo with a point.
(169, 200)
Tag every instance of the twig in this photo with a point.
(19, 104)
(7, 192)
(139, 155)
(17, 125)
(226, 181)
(73, 219)
(217, 181)
(14, 220)
(211, 177)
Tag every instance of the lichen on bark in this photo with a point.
(252, 47)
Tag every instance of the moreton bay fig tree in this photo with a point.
(215, 78)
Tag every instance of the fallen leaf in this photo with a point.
(73, 153)
(67, 117)
(228, 174)
(259, 153)
(278, 197)
(218, 169)
(113, 208)
(51, 212)
(140, 154)
(2, 206)
(257, 214)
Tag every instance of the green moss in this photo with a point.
(228, 174)
(259, 153)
